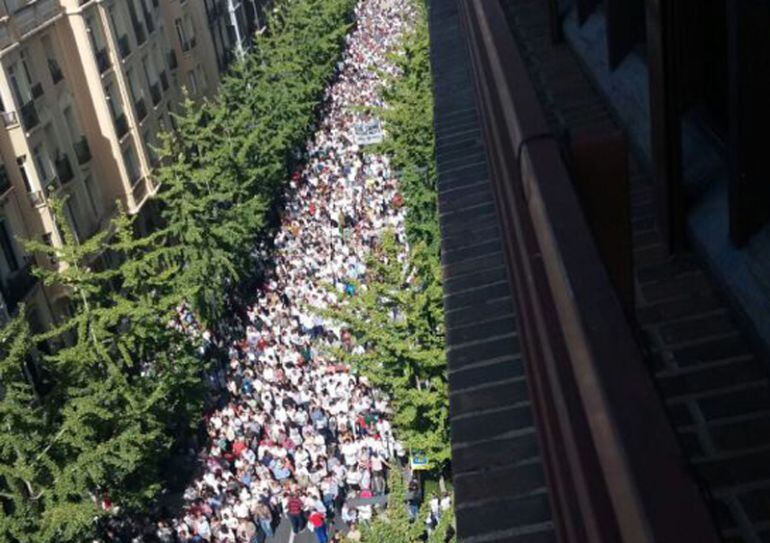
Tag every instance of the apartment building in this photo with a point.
(85, 88)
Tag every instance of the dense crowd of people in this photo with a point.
(297, 434)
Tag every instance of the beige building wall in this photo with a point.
(85, 88)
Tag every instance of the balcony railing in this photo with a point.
(140, 108)
(37, 198)
(148, 21)
(124, 46)
(63, 168)
(155, 93)
(82, 150)
(172, 61)
(9, 118)
(103, 60)
(29, 116)
(121, 125)
(37, 90)
(164, 80)
(141, 35)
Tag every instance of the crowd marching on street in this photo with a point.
(299, 435)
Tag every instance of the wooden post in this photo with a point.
(625, 28)
(748, 23)
(599, 164)
(665, 121)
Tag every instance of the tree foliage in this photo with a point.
(398, 318)
(394, 526)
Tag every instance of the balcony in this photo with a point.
(172, 61)
(37, 198)
(141, 190)
(164, 80)
(9, 118)
(82, 150)
(29, 116)
(155, 93)
(141, 35)
(140, 108)
(124, 47)
(16, 287)
(63, 168)
(148, 22)
(103, 60)
(37, 91)
(55, 69)
(121, 125)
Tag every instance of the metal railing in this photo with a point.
(103, 61)
(63, 168)
(139, 33)
(29, 116)
(9, 118)
(141, 109)
(121, 125)
(164, 80)
(155, 93)
(614, 469)
(124, 46)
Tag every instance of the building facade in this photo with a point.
(86, 86)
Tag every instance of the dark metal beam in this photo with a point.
(749, 108)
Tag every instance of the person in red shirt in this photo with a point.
(238, 447)
(318, 522)
(294, 510)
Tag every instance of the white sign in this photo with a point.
(368, 132)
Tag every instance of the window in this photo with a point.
(20, 84)
(185, 32)
(71, 210)
(136, 90)
(53, 64)
(193, 81)
(9, 253)
(129, 157)
(91, 192)
(181, 33)
(112, 100)
(42, 163)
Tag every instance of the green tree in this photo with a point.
(122, 376)
(398, 318)
(211, 218)
(394, 526)
(26, 467)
